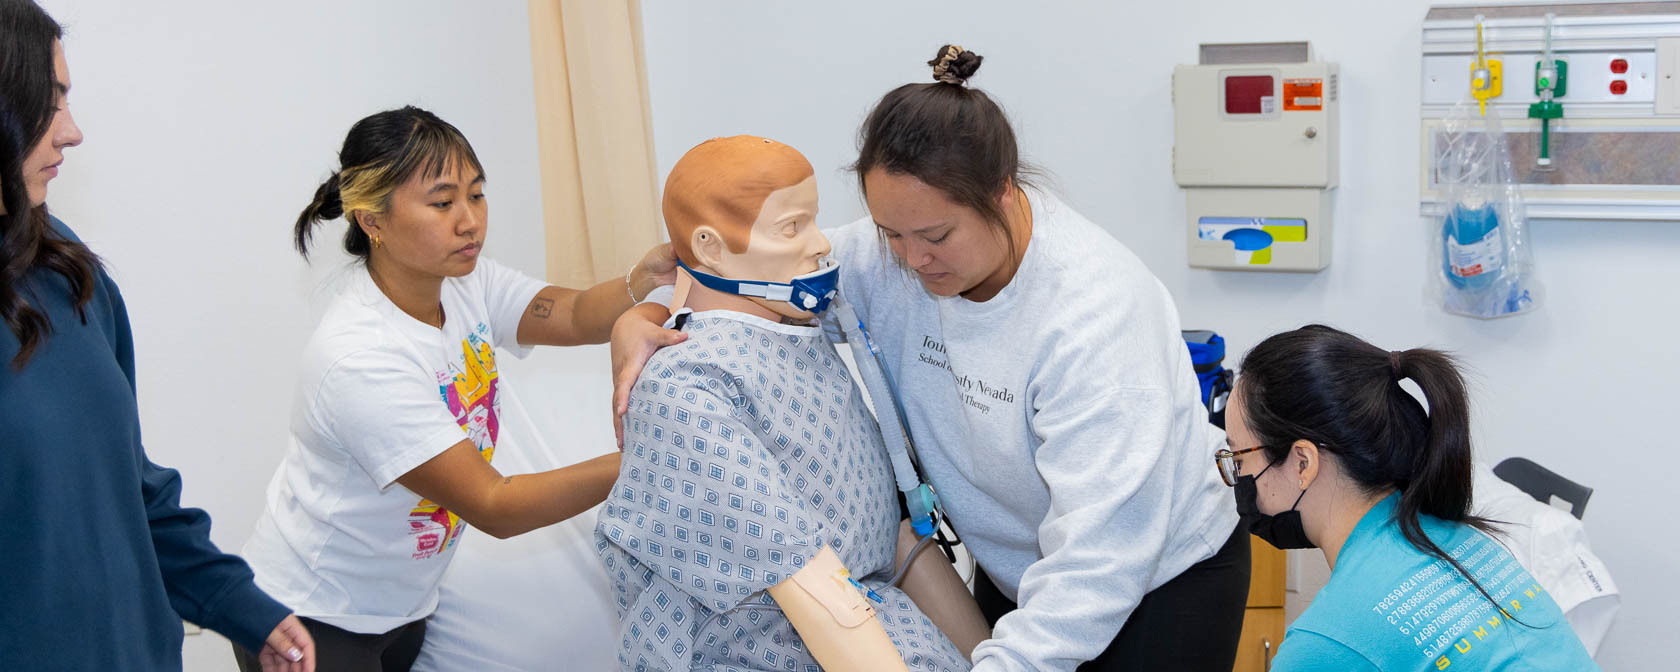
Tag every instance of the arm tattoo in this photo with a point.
(507, 480)
(542, 308)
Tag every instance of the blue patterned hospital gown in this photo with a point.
(747, 448)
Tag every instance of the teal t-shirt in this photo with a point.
(1391, 607)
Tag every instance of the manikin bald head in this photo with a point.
(723, 183)
(745, 208)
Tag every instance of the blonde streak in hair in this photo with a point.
(364, 188)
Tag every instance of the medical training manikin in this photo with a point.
(754, 521)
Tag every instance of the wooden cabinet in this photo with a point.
(1261, 632)
(1263, 621)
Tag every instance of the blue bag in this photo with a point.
(1207, 355)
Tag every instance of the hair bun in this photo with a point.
(954, 65)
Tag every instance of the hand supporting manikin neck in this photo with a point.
(743, 209)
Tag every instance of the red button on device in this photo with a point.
(1618, 87)
(1618, 66)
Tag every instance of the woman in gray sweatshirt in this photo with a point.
(1040, 368)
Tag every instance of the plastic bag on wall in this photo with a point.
(1480, 257)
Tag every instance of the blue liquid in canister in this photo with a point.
(1473, 247)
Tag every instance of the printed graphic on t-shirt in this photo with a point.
(1446, 617)
(469, 388)
(977, 394)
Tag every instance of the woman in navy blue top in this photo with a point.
(103, 562)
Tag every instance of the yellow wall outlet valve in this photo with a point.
(1487, 81)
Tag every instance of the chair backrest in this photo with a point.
(1542, 484)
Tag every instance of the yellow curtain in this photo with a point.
(599, 179)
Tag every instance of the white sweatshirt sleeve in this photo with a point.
(1107, 421)
(849, 248)
(662, 295)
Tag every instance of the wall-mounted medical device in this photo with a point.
(1255, 145)
(1588, 95)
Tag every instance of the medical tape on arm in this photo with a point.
(836, 593)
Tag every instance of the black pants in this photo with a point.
(1189, 624)
(339, 650)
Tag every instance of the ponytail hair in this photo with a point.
(1343, 394)
(381, 152)
(328, 205)
(1440, 475)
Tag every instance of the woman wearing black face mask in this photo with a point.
(1328, 451)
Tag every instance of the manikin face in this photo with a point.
(41, 165)
(785, 243)
(951, 247)
(434, 226)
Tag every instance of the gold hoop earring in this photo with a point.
(377, 242)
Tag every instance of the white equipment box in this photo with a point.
(1255, 145)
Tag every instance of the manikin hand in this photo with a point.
(289, 648)
(635, 337)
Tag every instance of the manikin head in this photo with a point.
(745, 208)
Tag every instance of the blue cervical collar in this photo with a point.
(810, 292)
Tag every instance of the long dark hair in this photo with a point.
(1335, 390)
(947, 134)
(27, 241)
(381, 152)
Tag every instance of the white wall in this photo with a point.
(209, 124)
(208, 127)
(1578, 386)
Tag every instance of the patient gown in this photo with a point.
(747, 448)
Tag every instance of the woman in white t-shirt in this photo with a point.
(1039, 365)
(396, 415)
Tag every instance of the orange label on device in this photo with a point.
(1303, 94)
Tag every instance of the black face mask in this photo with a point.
(1283, 530)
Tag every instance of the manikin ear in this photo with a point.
(1303, 463)
(707, 246)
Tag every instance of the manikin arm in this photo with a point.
(834, 618)
(936, 588)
